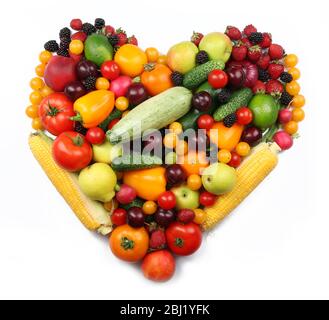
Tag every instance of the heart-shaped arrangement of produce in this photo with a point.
(153, 149)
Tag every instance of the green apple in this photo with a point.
(218, 46)
(106, 152)
(181, 57)
(186, 198)
(219, 178)
(98, 182)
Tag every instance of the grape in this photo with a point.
(136, 94)
(75, 90)
(136, 217)
(251, 135)
(86, 69)
(164, 217)
(202, 101)
(175, 174)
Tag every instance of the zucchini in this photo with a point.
(199, 74)
(138, 202)
(153, 114)
(238, 99)
(135, 161)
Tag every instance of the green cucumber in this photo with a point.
(138, 202)
(199, 74)
(115, 114)
(238, 99)
(135, 161)
(153, 114)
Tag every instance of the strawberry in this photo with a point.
(274, 88)
(264, 61)
(133, 40)
(239, 53)
(122, 37)
(196, 38)
(254, 53)
(109, 30)
(267, 40)
(259, 87)
(158, 239)
(79, 36)
(76, 24)
(233, 33)
(275, 70)
(276, 52)
(248, 30)
(246, 42)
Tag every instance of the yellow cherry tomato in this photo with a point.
(298, 101)
(102, 84)
(194, 182)
(176, 127)
(122, 103)
(37, 83)
(40, 70)
(295, 73)
(152, 54)
(293, 88)
(76, 47)
(162, 59)
(170, 140)
(291, 127)
(224, 156)
(37, 124)
(46, 91)
(243, 149)
(298, 114)
(32, 111)
(291, 60)
(181, 148)
(200, 216)
(36, 97)
(45, 56)
(149, 207)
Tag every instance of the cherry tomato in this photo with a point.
(176, 127)
(199, 216)
(150, 207)
(194, 182)
(76, 47)
(235, 161)
(110, 70)
(95, 136)
(224, 156)
(291, 60)
(45, 56)
(206, 122)
(170, 140)
(113, 123)
(152, 54)
(181, 148)
(119, 217)
(207, 199)
(102, 84)
(298, 101)
(37, 124)
(291, 127)
(36, 97)
(218, 79)
(244, 116)
(167, 200)
(243, 149)
(40, 70)
(122, 103)
(32, 111)
(184, 239)
(298, 114)
(37, 83)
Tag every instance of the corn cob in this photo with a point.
(250, 174)
(91, 213)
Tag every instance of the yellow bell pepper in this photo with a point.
(148, 183)
(93, 108)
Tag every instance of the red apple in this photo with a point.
(59, 72)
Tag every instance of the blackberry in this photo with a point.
(263, 75)
(51, 46)
(202, 57)
(256, 37)
(78, 127)
(88, 28)
(224, 96)
(99, 23)
(65, 33)
(90, 83)
(230, 120)
(286, 77)
(65, 43)
(113, 40)
(63, 52)
(285, 99)
(177, 78)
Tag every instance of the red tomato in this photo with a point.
(95, 136)
(55, 112)
(113, 123)
(110, 70)
(244, 115)
(119, 217)
(207, 199)
(206, 122)
(184, 239)
(218, 79)
(235, 161)
(167, 200)
(72, 152)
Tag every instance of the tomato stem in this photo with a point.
(52, 111)
(127, 244)
(149, 67)
(179, 242)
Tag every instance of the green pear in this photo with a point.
(186, 198)
(106, 152)
(219, 178)
(98, 182)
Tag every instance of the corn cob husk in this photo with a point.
(250, 174)
(91, 213)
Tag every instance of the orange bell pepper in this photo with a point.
(148, 183)
(225, 138)
(93, 108)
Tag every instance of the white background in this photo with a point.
(274, 246)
